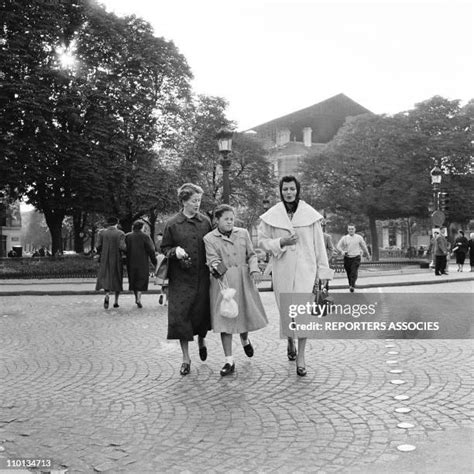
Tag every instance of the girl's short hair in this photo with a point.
(187, 190)
(221, 208)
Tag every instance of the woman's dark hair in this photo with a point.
(137, 225)
(221, 208)
(187, 190)
(290, 179)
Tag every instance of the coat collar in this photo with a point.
(182, 218)
(233, 237)
(304, 216)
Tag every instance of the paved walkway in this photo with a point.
(100, 391)
(367, 279)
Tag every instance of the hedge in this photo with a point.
(67, 266)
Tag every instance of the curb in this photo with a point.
(157, 292)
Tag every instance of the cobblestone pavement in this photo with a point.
(100, 391)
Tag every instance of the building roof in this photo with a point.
(324, 118)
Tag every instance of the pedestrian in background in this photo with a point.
(232, 258)
(460, 249)
(471, 250)
(352, 246)
(140, 250)
(330, 249)
(291, 232)
(188, 274)
(110, 247)
(440, 252)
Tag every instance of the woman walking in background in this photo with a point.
(231, 258)
(188, 274)
(460, 249)
(140, 249)
(291, 232)
(110, 246)
(470, 244)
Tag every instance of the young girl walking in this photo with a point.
(233, 262)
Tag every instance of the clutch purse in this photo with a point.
(219, 271)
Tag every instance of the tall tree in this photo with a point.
(82, 138)
(369, 168)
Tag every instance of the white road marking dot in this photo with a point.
(406, 447)
(405, 425)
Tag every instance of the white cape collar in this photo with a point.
(304, 216)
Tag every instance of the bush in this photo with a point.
(67, 266)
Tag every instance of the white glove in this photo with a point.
(180, 253)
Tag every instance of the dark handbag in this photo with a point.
(162, 271)
(219, 271)
(322, 301)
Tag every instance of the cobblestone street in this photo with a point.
(98, 390)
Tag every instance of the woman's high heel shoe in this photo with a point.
(291, 352)
(185, 368)
(301, 371)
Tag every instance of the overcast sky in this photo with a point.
(269, 58)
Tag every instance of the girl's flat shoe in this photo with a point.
(248, 349)
(301, 371)
(185, 368)
(139, 304)
(227, 369)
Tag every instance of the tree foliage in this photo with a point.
(250, 173)
(85, 137)
(379, 166)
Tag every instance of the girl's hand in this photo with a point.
(254, 276)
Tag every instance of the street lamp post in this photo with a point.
(436, 175)
(224, 139)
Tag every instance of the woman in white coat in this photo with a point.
(291, 232)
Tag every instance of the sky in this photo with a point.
(268, 58)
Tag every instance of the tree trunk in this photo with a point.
(126, 223)
(153, 219)
(93, 234)
(374, 239)
(54, 219)
(78, 220)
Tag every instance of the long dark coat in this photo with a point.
(140, 248)
(188, 291)
(110, 276)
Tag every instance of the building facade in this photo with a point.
(292, 137)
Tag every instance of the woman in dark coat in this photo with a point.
(188, 274)
(460, 249)
(110, 245)
(470, 244)
(140, 248)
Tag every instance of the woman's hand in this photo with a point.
(291, 240)
(180, 253)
